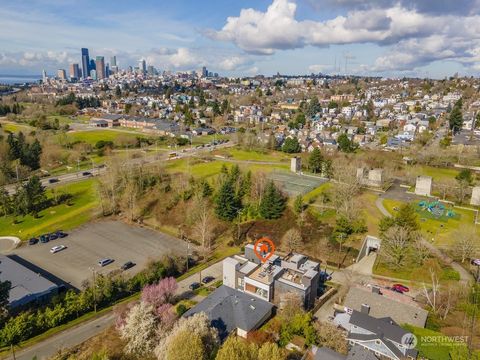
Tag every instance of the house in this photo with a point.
(232, 310)
(272, 280)
(356, 352)
(385, 304)
(382, 336)
(26, 286)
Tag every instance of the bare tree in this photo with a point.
(292, 240)
(203, 222)
(395, 245)
(432, 295)
(345, 190)
(465, 244)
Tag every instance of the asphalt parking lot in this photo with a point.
(92, 242)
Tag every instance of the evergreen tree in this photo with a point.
(291, 146)
(345, 144)
(315, 161)
(313, 107)
(273, 202)
(226, 202)
(455, 120)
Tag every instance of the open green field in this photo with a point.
(438, 173)
(93, 136)
(205, 139)
(15, 128)
(438, 230)
(65, 217)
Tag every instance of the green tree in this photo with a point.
(405, 217)
(345, 144)
(313, 107)
(291, 146)
(298, 205)
(455, 119)
(186, 346)
(226, 201)
(315, 161)
(5, 287)
(270, 351)
(235, 348)
(273, 202)
(118, 91)
(465, 176)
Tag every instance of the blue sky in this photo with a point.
(233, 37)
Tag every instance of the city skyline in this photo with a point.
(401, 38)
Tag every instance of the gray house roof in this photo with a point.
(358, 352)
(229, 309)
(324, 353)
(26, 285)
(381, 306)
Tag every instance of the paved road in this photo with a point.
(77, 335)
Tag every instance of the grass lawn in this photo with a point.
(438, 173)
(93, 136)
(370, 211)
(62, 119)
(315, 193)
(239, 154)
(61, 216)
(418, 273)
(15, 128)
(430, 349)
(439, 230)
(199, 140)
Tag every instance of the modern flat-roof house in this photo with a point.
(26, 285)
(232, 310)
(294, 274)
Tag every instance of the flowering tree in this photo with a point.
(140, 329)
(160, 293)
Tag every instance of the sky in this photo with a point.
(424, 38)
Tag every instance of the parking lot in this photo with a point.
(88, 244)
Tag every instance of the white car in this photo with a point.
(57, 248)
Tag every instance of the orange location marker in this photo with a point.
(264, 249)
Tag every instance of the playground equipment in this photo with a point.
(436, 208)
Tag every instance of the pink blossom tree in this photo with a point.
(160, 293)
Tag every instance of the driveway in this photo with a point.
(94, 241)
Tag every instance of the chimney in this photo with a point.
(365, 309)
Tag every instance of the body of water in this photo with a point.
(18, 79)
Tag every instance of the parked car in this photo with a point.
(44, 238)
(127, 265)
(207, 279)
(87, 173)
(52, 236)
(105, 262)
(61, 234)
(194, 286)
(57, 248)
(400, 288)
(32, 241)
(53, 180)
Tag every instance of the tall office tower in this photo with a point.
(85, 63)
(142, 65)
(92, 65)
(61, 74)
(204, 72)
(44, 75)
(74, 72)
(100, 67)
(151, 70)
(93, 74)
(107, 70)
(113, 61)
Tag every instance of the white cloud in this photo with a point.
(419, 37)
(317, 68)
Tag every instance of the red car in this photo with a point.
(400, 288)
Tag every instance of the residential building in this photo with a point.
(61, 74)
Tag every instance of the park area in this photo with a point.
(296, 184)
(77, 211)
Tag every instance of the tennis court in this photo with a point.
(295, 184)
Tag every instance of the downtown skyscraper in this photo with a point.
(100, 67)
(85, 63)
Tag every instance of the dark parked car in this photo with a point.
(32, 241)
(127, 265)
(194, 286)
(86, 173)
(207, 279)
(44, 238)
(61, 234)
(52, 236)
(53, 180)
